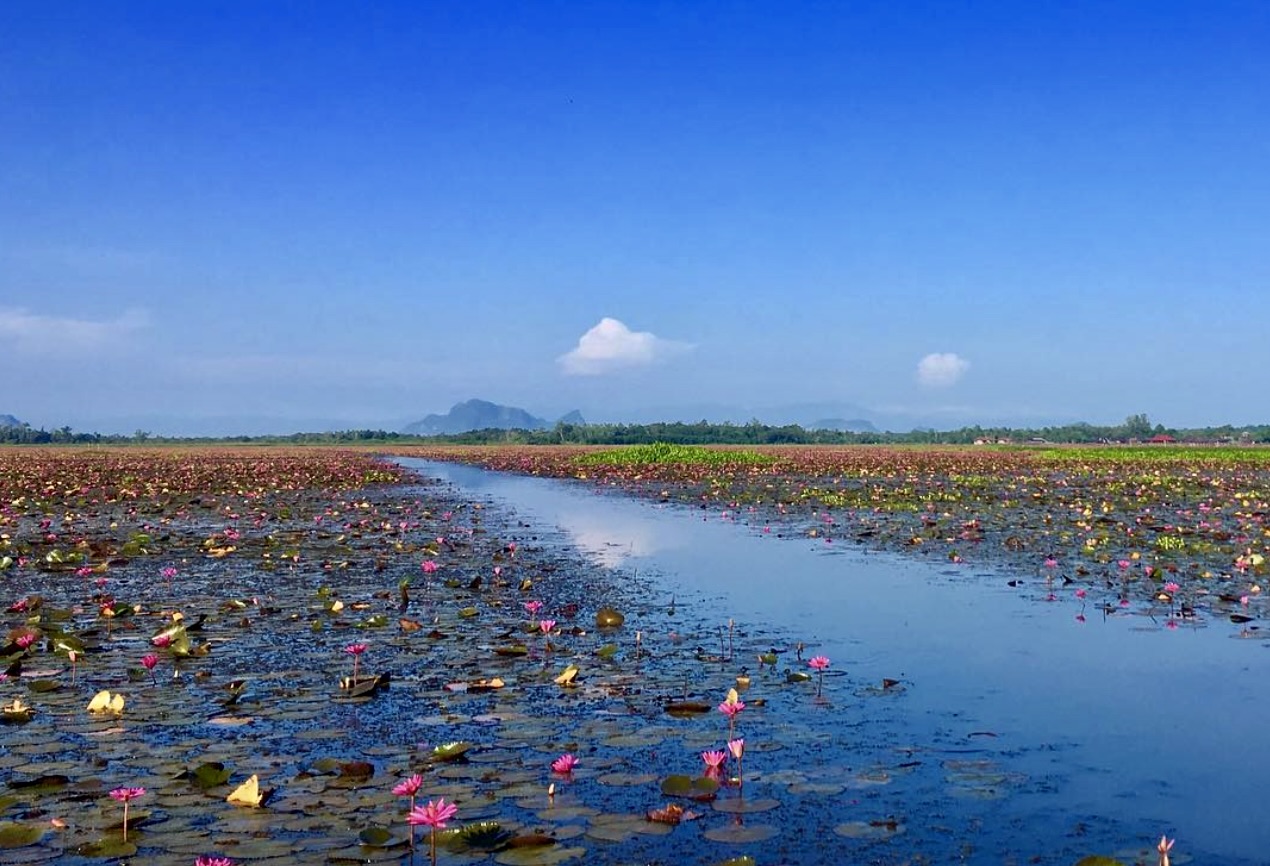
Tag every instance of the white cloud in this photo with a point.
(611, 346)
(34, 334)
(941, 369)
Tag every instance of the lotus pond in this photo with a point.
(973, 709)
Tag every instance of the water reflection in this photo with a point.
(1109, 716)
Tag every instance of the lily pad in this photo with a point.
(15, 835)
(701, 788)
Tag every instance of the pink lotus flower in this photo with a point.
(737, 748)
(547, 625)
(355, 650)
(533, 607)
(564, 764)
(714, 761)
(429, 567)
(1080, 593)
(213, 861)
(819, 664)
(25, 640)
(1171, 587)
(149, 662)
(408, 787)
(731, 708)
(433, 815)
(168, 573)
(125, 796)
(162, 641)
(84, 571)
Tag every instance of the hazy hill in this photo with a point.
(483, 415)
(9, 421)
(851, 425)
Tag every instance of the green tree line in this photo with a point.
(1134, 428)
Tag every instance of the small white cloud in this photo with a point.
(34, 334)
(941, 369)
(611, 346)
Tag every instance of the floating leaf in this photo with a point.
(450, 751)
(567, 677)
(482, 836)
(109, 847)
(518, 649)
(607, 617)
(15, 835)
(379, 837)
(538, 856)
(249, 793)
(685, 709)
(210, 775)
(16, 712)
(104, 702)
(701, 788)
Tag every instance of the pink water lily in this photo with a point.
(564, 764)
(533, 607)
(213, 861)
(125, 796)
(149, 661)
(737, 748)
(547, 625)
(408, 787)
(432, 815)
(714, 759)
(356, 650)
(819, 664)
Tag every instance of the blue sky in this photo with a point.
(259, 215)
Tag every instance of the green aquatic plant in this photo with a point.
(660, 453)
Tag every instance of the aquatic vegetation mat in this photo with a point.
(281, 655)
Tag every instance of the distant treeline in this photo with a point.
(1136, 428)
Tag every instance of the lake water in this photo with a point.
(1120, 727)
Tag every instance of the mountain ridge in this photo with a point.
(477, 414)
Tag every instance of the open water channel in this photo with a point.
(1107, 729)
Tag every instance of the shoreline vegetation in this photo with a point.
(1135, 430)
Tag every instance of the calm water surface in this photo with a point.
(1115, 718)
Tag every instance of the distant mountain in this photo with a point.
(483, 415)
(574, 417)
(852, 425)
(9, 421)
